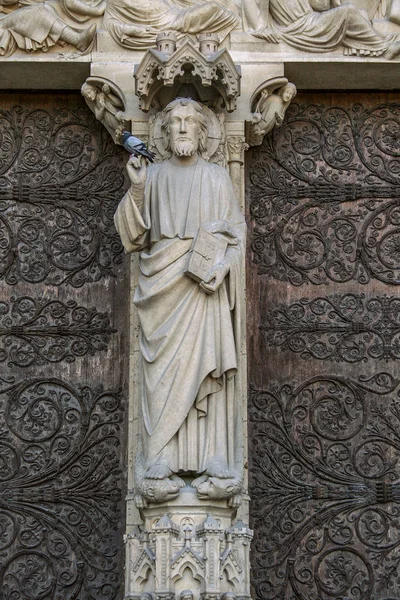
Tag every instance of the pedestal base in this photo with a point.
(188, 549)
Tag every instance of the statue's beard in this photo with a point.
(183, 148)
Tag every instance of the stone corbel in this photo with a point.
(169, 71)
(106, 100)
(268, 105)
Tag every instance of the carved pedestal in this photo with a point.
(186, 545)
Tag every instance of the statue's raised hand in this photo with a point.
(137, 170)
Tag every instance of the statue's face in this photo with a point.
(288, 94)
(90, 93)
(184, 130)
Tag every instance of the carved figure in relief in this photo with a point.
(270, 110)
(317, 26)
(39, 28)
(189, 329)
(136, 25)
(186, 595)
(106, 106)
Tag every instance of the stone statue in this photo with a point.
(186, 595)
(107, 108)
(270, 110)
(39, 28)
(191, 416)
(135, 25)
(317, 26)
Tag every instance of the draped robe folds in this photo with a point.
(30, 28)
(187, 343)
(305, 29)
(152, 16)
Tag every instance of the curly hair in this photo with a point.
(201, 117)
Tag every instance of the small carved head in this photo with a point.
(288, 92)
(89, 91)
(146, 596)
(186, 595)
(184, 127)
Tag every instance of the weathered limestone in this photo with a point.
(269, 104)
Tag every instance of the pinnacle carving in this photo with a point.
(199, 65)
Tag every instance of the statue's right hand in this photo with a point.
(137, 170)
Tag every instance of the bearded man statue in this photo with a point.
(191, 413)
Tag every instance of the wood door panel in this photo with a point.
(324, 348)
(63, 352)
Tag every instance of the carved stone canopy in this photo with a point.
(199, 65)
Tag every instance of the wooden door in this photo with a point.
(63, 352)
(324, 350)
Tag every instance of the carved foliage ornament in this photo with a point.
(325, 200)
(60, 483)
(60, 181)
(325, 486)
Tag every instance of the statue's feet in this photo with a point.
(158, 471)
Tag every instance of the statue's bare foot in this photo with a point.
(196, 482)
(218, 468)
(267, 34)
(159, 490)
(392, 51)
(178, 481)
(158, 471)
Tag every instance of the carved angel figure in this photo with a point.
(107, 107)
(270, 109)
(191, 414)
(317, 26)
(39, 28)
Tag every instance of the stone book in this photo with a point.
(207, 250)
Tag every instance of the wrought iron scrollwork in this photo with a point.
(325, 486)
(35, 331)
(60, 488)
(325, 197)
(61, 178)
(343, 327)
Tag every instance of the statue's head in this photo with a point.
(288, 92)
(186, 595)
(89, 91)
(184, 127)
(146, 596)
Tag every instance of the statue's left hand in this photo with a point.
(214, 278)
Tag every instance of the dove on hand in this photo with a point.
(136, 147)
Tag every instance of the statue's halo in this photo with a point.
(214, 137)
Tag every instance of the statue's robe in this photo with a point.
(150, 17)
(188, 338)
(305, 29)
(30, 28)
